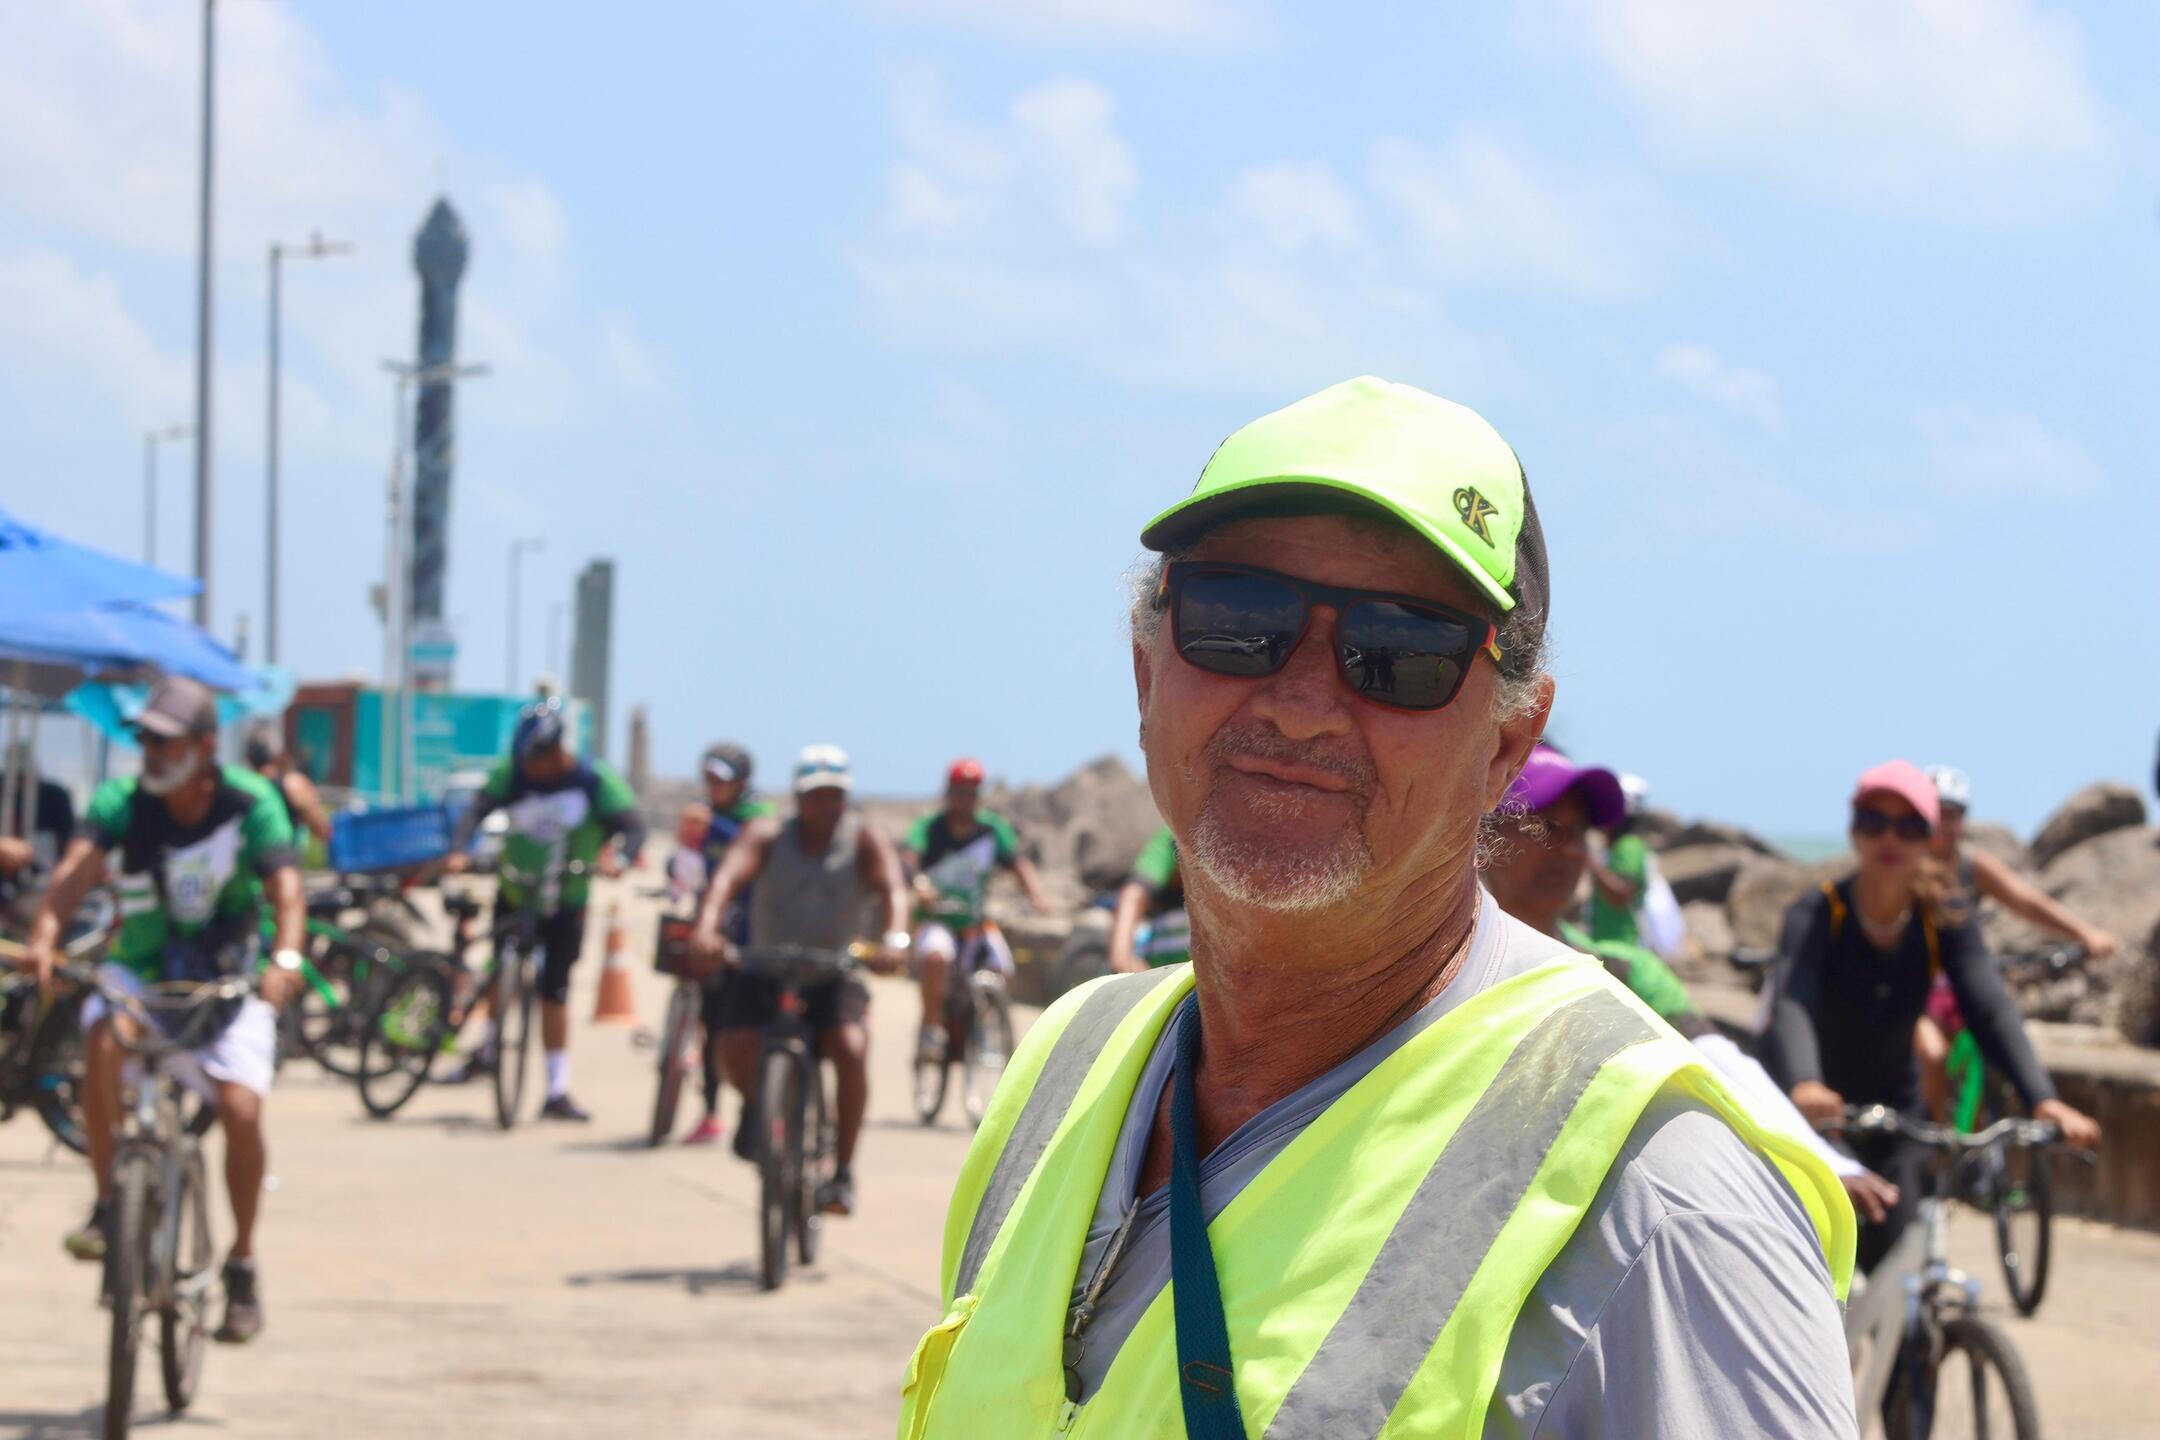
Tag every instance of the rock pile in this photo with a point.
(2096, 855)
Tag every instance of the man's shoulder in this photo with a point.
(254, 788)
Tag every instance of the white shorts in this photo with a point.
(245, 1055)
(986, 947)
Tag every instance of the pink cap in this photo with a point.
(1908, 782)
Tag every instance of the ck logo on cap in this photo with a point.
(1474, 508)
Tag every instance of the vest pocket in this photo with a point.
(926, 1369)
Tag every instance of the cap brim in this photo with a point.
(161, 727)
(1188, 517)
(720, 770)
(1602, 796)
(824, 782)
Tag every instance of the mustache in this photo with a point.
(1265, 742)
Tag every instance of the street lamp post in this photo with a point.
(202, 320)
(150, 441)
(315, 249)
(397, 569)
(519, 549)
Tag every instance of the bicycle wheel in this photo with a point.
(675, 1037)
(320, 1019)
(2024, 1209)
(127, 1248)
(815, 1140)
(930, 1078)
(513, 1035)
(56, 1069)
(1086, 960)
(778, 1108)
(190, 1265)
(1980, 1389)
(401, 1037)
(990, 1044)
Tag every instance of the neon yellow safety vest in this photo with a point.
(1371, 1272)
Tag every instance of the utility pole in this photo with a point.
(315, 249)
(202, 319)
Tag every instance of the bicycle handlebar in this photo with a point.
(74, 949)
(1882, 1120)
(800, 964)
(173, 998)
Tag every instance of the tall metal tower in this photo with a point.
(590, 645)
(439, 254)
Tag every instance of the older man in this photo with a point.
(1415, 1169)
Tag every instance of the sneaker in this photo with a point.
(88, 1241)
(478, 1066)
(837, 1195)
(930, 1045)
(243, 1304)
(562, 1107)
(708, 1130)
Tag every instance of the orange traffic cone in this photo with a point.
(617, 1002)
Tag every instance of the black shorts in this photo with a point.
(562, 936)
(751, 1001)
(713, 1004)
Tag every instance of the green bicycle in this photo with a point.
(345, 970)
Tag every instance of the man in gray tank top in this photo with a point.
(815, 876)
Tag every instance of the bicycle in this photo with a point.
(797, 1144)
(159, 1256)
(2013, 1184)
(41, 1050)
(978, 1035)
(343, 970)
(680, 1030)
(1915, 1316)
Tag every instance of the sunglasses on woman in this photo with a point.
(1394, 650)
(1873, 823)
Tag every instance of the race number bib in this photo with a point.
(196, 874)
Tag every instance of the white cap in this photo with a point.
(822, 767)
(1951, 786)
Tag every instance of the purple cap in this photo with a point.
(1550, 774)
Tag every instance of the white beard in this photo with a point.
(1277, 878)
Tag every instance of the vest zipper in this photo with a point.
(1078, 1318)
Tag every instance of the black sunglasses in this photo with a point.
(1394, 650)
(1872, 823)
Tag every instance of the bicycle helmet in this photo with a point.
(1952, 787)
(540, 728)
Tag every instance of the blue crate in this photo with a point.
(392, 839)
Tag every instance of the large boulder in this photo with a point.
(1709, 933)
(1716, 832)
(2136, 1008)
(1765, 889)
(2093, 811)
(1090, 825)
(1703, 872)
(1657, 827)
(1999, 841)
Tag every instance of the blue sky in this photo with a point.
(864, 336)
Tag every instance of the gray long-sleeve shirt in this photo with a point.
(1692, 1300)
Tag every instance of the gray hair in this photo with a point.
(1523, 646)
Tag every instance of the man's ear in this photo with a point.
(1143, 678)
(1518, 736)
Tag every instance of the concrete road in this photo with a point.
(434, 1276)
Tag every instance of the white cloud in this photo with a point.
(1178, 24)
(1033, 233)
(1961, 109)
(70, 345)
(1750, 394)
(1974, 454)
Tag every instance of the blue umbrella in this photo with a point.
(112, 707)
(40, 571)
(124, 636)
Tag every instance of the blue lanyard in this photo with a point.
(1207, 1381)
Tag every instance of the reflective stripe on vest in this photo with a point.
(1074, 1054)
(1394, 1320)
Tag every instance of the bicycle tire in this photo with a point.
(127, 1246)
(1984, 1348)
(401, 1037)
(930, 1082)
(513, 1035)
(320, 1026)
(2024, 1256)
(814, 1136)
(184, 1329)
(56, 1069)
(1089, 960)
(990, 1047)
(674, 1062)
(779, 1084)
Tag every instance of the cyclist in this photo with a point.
(726, 768)
(294, 790)
(952, 853)
(1538, 850)
(199, 845)
(1149, 927)
(1978, 876)
(814, 875)
(552, 797)
(1855, 963)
